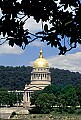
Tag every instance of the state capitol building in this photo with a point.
(40, 78)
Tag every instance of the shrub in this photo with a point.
(71, 110)
(12, 115)
(78, 111)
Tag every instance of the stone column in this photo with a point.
(31, 77)
(28, 97)
(25, 96)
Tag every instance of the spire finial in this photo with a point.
(41, 53)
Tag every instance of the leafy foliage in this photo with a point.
(12, 115)
(7, 98)
(10, 98)
(47, 100)
(68, 97)
(56, 90)
(78, 91)
(14, 78)
(34, 97)
(64, 77)
(64, 33)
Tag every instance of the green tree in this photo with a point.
(68, 98)
(7, 98)
(4, 97)
(56, 90)
(14, 78)
(12, 98)
(78, 92)
(20, 98)
(64, 33)
(45, 102)
(34, 97)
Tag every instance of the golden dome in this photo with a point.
(41, 62)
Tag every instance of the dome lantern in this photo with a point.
(41, 62)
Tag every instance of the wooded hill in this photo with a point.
(15, 78)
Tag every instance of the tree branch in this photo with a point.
(3, 41)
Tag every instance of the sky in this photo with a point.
(15, 56)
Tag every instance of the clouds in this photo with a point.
(6, 49)
(32, 25)
(38, 44)
(70, 62)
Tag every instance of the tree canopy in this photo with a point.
(65, 30)
(65, 99)
(10, 98)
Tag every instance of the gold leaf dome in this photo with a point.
(41, 62)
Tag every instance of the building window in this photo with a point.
(45, 75)
(34, 75)
(41, 76)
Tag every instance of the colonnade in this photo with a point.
(41, 76)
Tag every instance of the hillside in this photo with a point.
(65, 77)
(15, 78)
